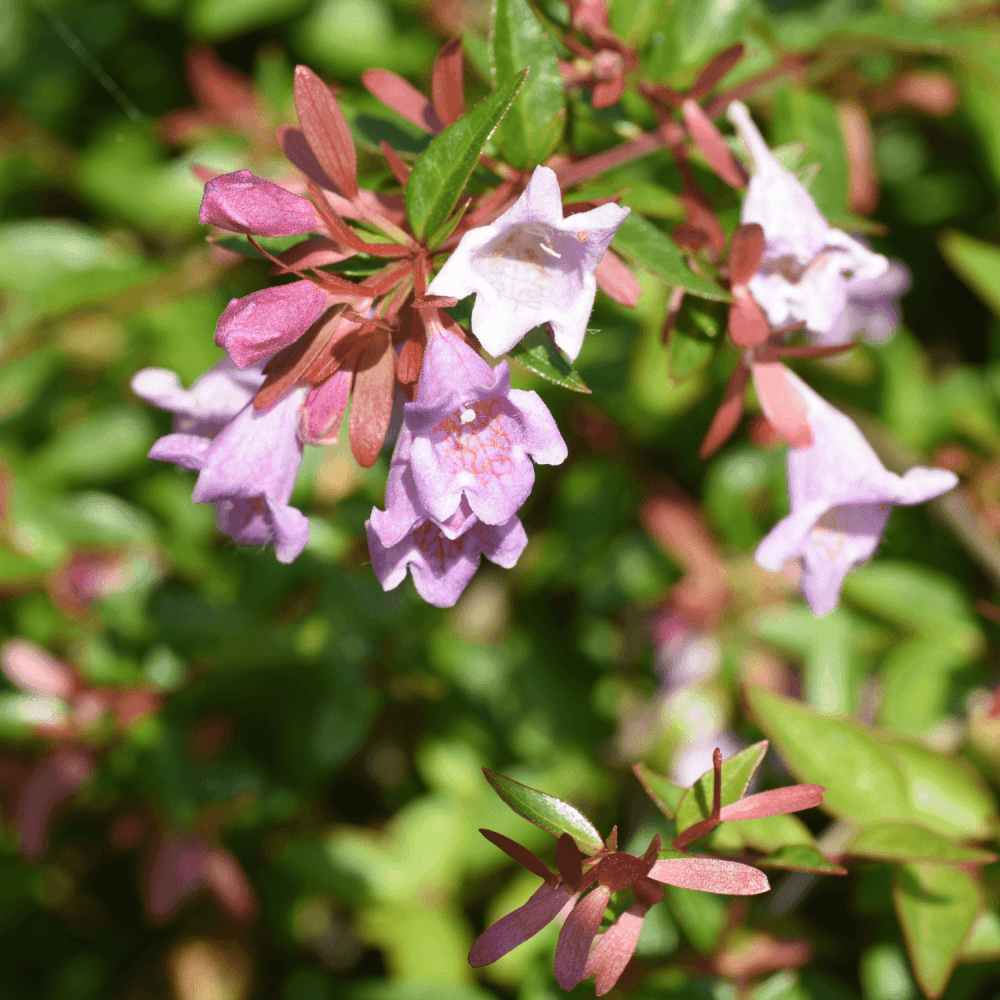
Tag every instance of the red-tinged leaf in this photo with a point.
(668, 134)
(617, 281)
(403, 98)
(789, 799)
(299, 153)
(448, 82)
(619, 870)
(35, 671)
(694, 832)
(326, 130)
(729, 413)
(225, 93)
(411, 357)
(576, 936)
(701, 217)
(746, 251)
(782, 403)
(227, 882)
(515, 928)
(315, 252)
(808, 352)
(322, 413)
(747, 323)
(568, 861)
(709, 140)
(715, 71)
(614, 948)
(204, 174)
(521, 855)
(727, 878)
(399, 169)
(374, 381)
(674, 304)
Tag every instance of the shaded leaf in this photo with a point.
(440, 173)
(326, 130)
(534, 125)
(767, 833)
(641, 241)
(664, 793)
(976, 263)
(737, 771)
(910, 842)
(863, 782)
(936, 906)
(801, 858)
(538, 352)
(544, 810)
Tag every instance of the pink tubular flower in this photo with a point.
(531, 266)
(248, 472)
(614, 871)
(441, 566)
(473, 436)
(840, 496)
(257, 326)
(807, 264)
(243, 203)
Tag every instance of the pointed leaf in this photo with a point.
(716, 70)
(448, 82)
(936, 906)
(535, 124)
(641, 241)
(791, 798)
(801, 858)
(910, 842)
(768, 833)
(519, 853)
(664, 793)
(538, 352)
(371, 409)
(736, 774)
(326, 130)
(439, 175)
(400, 95)
(863, 782)
(745, 252)
(544, 810)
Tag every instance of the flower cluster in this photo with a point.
(300, 354)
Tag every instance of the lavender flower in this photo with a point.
(531, 266)
(473, 436)
(247, 459)
(841, 497)
(872, 307)
(807, 264)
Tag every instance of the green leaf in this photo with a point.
(910, 842)
(936, 906)
(439, 175)
(664, 793)
(535, 123)
(804, 116)
(800, 858)
(701, 915)
(537, 351)
(946, 793)
(635, 20)
(693, 31)
(770, 833)
(864, 784)
(546, 811)
(736, 774)
(694, 337)
(241, 245)
(983, 942)
(976, 263)
(649, 246)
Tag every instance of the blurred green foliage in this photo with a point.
(331, 736)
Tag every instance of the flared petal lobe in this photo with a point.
(531, 266)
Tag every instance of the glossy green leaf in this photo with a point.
(736, 774)
(664, 793)
(693, 31)
(534, 125)
(546, 811)
(654, 250)
(769, 833)
(440, 173)
(800, 858)
(864, 784)
(946, 793)
(910, 842)
(976, 263)
(538, 352)
(804, 116)
(936, 906)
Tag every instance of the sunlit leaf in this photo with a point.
(737, 772)
(910, 842)
(538, 352)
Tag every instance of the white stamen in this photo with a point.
(549, 250)
(467, 415)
